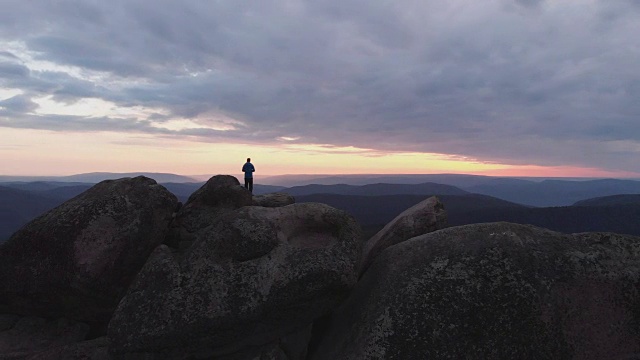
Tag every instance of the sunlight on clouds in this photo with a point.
(186, 124)
(90, 107)
(218, 121)
(320, 158)
(212, 121)
(29, 59)
(40, 152)
(35, 62)
(323, 149)
(8, 93)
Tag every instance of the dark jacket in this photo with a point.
(248, 170)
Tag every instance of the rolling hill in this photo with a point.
(554, 192)
(613, 200)
(373, 212)
(375, 189)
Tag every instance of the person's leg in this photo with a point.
(251, 185)
(246, 183)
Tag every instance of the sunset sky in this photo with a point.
(495, 87)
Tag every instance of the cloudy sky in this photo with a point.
(520, 87)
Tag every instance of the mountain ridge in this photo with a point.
(95, 177)
(507, 190)
(375, 189)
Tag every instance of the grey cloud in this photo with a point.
(8, 55)
(530, 3)
(12, 71)
(68, 89)
(475, 79)
(61, 86)
(85, 53)
(64, 123)
(17, 104)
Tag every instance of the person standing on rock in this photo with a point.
(248, 170)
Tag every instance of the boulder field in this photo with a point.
(123, 271)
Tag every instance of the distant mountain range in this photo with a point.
(586, 205)
(554, 192)
(96, 177)
(374, 212)
(375, 189)
(458, 180)
(613, 200)
(527, 191)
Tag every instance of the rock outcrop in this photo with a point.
(29, 336)
(280, 281)
(95, 349)
(424, 217)
(254, 278)
(494, 291)
(219, 195)
(77, 260)
(273, 200)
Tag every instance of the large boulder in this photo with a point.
(258, 275)
(77, 260)
(32, 335)
(424, 217)
(494, 291)
(95, 349)
(276, 199)
(220, 195)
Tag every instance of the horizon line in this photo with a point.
(326, 175)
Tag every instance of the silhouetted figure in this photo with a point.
(248, 170)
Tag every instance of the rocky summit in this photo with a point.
(258, 275)
(229, 276)
(219, 195)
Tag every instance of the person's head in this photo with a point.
(248, 159)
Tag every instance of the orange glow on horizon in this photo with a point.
(47, 153)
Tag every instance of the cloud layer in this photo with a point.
(544, 82)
